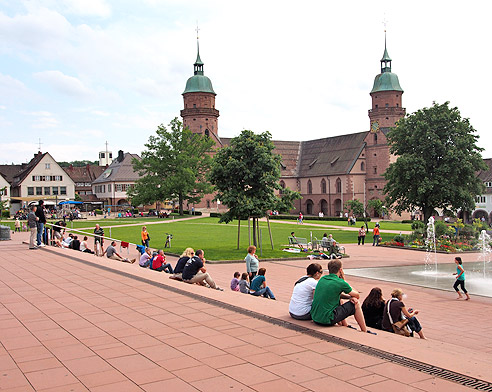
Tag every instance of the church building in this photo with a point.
(329, 171)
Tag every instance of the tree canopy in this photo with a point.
(246, 175)
(438, 159)
(173, 166)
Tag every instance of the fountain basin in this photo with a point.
(478, 276)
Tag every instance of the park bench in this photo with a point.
(301, 242)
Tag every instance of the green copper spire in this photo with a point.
(198, 82)
(386, 80)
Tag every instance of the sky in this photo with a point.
(76, 74)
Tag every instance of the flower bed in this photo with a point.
(443, 245)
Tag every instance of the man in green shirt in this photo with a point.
(326, 308)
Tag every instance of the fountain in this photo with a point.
(431, 250)
(477, 266)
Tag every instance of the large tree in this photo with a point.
(246, 175)
(438, 159)
(173, 166)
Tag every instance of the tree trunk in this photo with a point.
(249, 231)
(255, 242)
(238, 232)
(270, 232)
(180, 196)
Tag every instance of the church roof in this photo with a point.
(198, 83)
(386, 81)
(330, 156)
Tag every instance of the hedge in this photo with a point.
(215, 215)
(5, 214)
(325, 218)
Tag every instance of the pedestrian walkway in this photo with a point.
(76, 322)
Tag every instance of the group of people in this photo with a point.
(330, 300)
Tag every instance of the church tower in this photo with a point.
(385, 112)
(199, 113)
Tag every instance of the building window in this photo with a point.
(48, 178)
(282, 187)
(208, 203)
(323, 186)
(362, 166)
(119, 188)
(101, 155)
(207, 133)
(310, 187)
(375, 169)
(110, 155)
(387, 105)
(194, 105)
(47, 190)
(375, 138)
(63, 190)
(30, 191)
(488, 184)
(338, 185)
(58, 178)
(481, 199)
(39, 190)
(47, 166)
(55, 190)
(109, 187)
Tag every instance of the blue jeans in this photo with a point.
(165, 267)
(266, 292)
(375, 240)
(39, 236)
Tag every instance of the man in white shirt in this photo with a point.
(302, 296)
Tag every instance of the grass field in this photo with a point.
(385, 225)
(219, 240)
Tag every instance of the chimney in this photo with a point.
(120, 156)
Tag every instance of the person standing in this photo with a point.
(252, 263)
(301, 217)
(375, 235)
(145, 237)
(460, 278)
(40, 223)
(362, 235)
(32, 221)
(98, 239)
(17, 225)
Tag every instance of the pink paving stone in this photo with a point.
(294, 372)
(391, 385)
(78, 387)
(278, 386)
(50, 378)
(367, 380)
(7, 363)
(87, 365)
(177, 363)
(332, 384)
(248, 373)
(141, 340)
(65, 353)
(225, 360)
(12, 378)
(345, 372)
(102, 378)
(13, 343)
(153, 375)
(122, 386)
(40, 364)
(265, 359)
(30, 354)
(438, 385)
(194, 374)
(174, 384)
(221, 383)
(133, 363)
(397, 372)
(201, 351)
(313, 359)
(160, 352)
(286, 348)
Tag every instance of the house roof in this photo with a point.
(84, 174)
(26, 169)
(486, 175)
(119, 170)
(9, 171)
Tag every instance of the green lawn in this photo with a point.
(384, 225)
(219, 240)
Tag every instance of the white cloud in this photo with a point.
(62, 83)
(88, 7)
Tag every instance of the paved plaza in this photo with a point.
(75, 322)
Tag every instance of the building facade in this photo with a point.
(329, 171)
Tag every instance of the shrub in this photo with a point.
(5, 214)
(440, 228)
(399, 238)
(468, 232)
(407, 221)
(325, 218)
(98, 211)
(197, 213)
(418, 225)
(215, 215)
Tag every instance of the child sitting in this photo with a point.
(243, 283)
(235, 282)
(259, 287)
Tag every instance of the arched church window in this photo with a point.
(375, 138)
(362, 166)
(207, 133)
(310, 187)
(282, 187)
(323, 186)
(338, 185)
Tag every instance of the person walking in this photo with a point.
(362, 235)
(460, 279)
(32, 221)
(375, 235)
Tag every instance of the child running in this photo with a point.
(235, 282)
(460, 278)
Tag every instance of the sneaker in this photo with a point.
(42, 245)
(218, 288)
(132, 261)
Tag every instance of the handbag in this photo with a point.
(400, 327)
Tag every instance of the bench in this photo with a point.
(301, 242)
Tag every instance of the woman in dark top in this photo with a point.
(373, 308)
(396, 308)
(178, 270)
